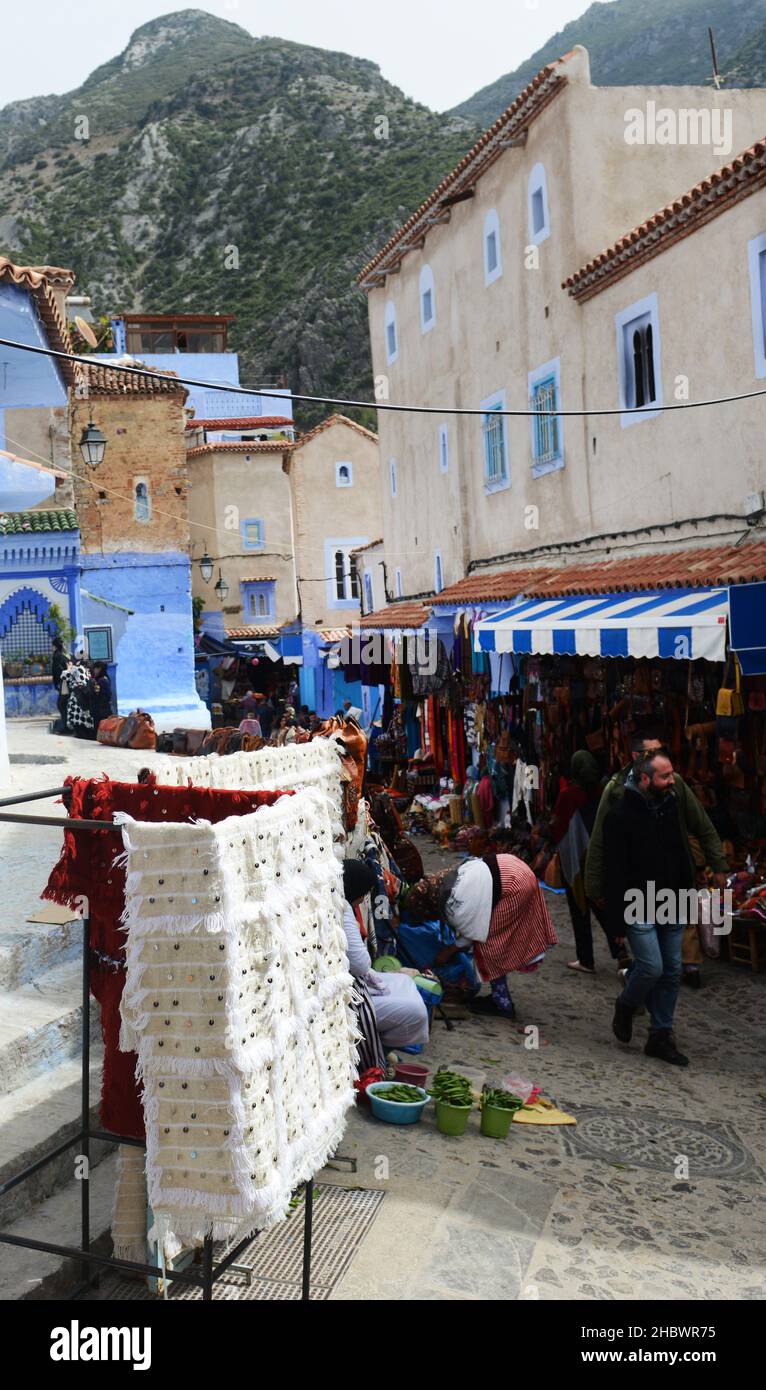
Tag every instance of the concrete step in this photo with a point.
(28, 1274)
(34, 1119)
(35, 948)
(40, 1025)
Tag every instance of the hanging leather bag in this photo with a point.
(729, 704)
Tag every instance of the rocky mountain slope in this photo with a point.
(640, 41)
(223, 173)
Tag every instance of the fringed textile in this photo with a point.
(129, 1213)
(87, 879)
(239, 1003)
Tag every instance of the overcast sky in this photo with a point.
(437, 51)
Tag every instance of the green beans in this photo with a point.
(451, 1088)
(401, 1093)
(499, 1100)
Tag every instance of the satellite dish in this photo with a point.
(85, 331)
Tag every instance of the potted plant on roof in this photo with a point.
(497, 1111)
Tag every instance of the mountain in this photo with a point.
(748, 66)
(648, 42)
(224, 173)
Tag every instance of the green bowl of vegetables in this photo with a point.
(396, 1102)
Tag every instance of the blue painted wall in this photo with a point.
(26, 379)
(154, 651)
(223, 367)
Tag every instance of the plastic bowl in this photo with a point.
(392, 1111)
(411, 1073)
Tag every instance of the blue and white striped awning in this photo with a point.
(683, 623)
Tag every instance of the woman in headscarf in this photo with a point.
(570, 830)
(400, 1014)
(495, 906)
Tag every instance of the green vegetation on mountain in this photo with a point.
(647, 42)
(227, 174)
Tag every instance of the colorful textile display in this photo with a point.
(87, 880)
(298, 765)
(520, 930)
(238, 1003)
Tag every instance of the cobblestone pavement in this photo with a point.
(594, 1211)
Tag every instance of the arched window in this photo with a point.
(262, 608)
(539, 218)
(344, 475)
(368, 599)
(427, 300)
(141, 505)
(392, 341)
(493, 261)
(438, 579)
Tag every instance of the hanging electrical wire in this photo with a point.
(652, 409)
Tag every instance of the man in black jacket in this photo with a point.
(649, 872)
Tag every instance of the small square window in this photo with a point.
(252, 534)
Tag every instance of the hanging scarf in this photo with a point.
(238, 1003)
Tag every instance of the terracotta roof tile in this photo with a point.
(23, 522)
(407, 613)
(260, 579)
(706, 200)
(268, 446)
(241, 634)
(38, 280)
(335, 420)
(517, 117)
(104, 380)
(262, 422)
(714, 565)
(360, 549)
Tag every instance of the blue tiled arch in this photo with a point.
(20, 599)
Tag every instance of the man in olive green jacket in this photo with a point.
(694, 821)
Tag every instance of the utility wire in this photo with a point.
(653, 409)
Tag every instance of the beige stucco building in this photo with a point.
(276, 514)
(468, 308)
(334, 474)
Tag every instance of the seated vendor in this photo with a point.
(400, 1013)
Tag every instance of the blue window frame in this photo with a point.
(253, 536)
(547, 431)
(259, 600)
(495, 441)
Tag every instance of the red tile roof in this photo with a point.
(407, 613)
(715, 565)
(104, 380)
(260, 579)
(38, 280)
(706, 200)
(335, 420)
(360, 549)
(481, 587)
(261, 422)
(241, 634)
(514, 120)
(266, 446)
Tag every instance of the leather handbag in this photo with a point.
(110, 731)
(729, 704)
(553, 875)
(140, 732)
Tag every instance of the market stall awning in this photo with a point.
(684, 623)
(747, 616)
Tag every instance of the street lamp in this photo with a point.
(222, 588)
(92, 445)
(206, 567)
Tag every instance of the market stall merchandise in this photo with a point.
(237, 1002)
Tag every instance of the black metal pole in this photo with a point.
(31, 796)
(307, 1226)
(85, 1097)
(207, 1269)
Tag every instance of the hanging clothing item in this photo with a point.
(87, 879)
(238, 1002)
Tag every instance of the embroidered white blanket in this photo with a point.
(237, 1001)
(315, 764)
